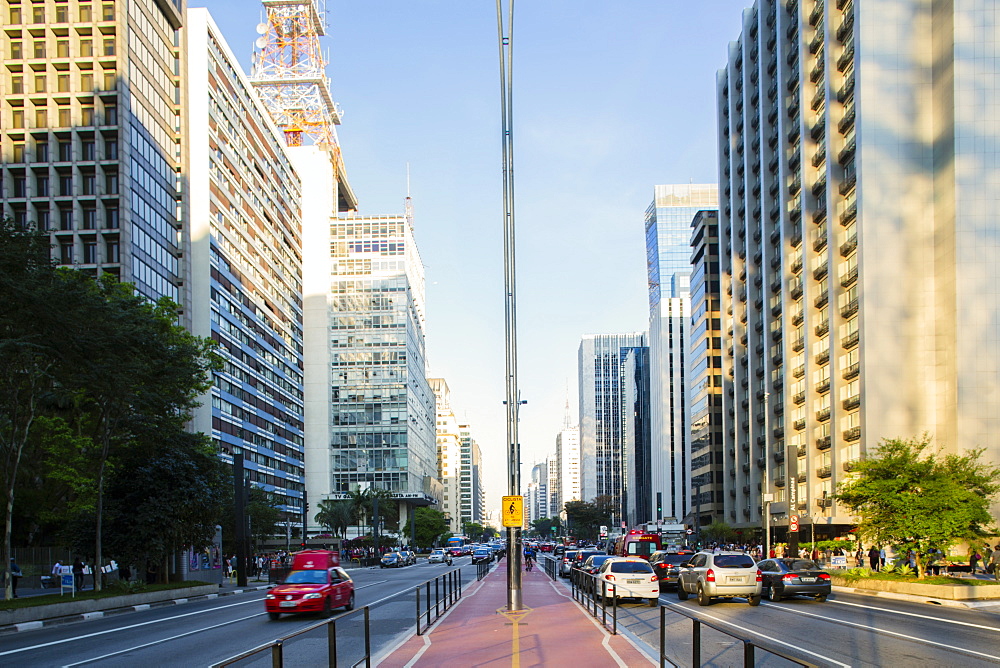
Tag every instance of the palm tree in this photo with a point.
(336, 516)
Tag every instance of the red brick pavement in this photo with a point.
(552, 631)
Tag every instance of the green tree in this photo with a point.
(543, 526)
(718, 532)
(336, 516)
(431, 526)
(917, 500)
(586, 517)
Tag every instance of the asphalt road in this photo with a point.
(846, 630)
(201, 633)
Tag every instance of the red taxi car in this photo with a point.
(316, 583)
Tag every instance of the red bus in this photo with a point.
(636, 544)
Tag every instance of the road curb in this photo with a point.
(100, 614)
(914, 598)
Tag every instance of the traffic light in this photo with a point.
(659, 505)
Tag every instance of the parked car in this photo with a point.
(628, 577)
(793, 577)
(316, 583)
(566, 565)
(439, 557)
(482, 555)
(392, 560)
(711, 575)
(666, 565)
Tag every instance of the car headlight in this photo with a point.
(313, 596)
(270, 596)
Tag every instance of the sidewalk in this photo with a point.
(552, 630)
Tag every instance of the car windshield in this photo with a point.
(599, 559)
(570, 555)
(800, 564)
(631, 567)
(733, 561)
(675, 559)
(306, 577)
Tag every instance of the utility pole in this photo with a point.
(505, 44)
(240, 512)
(765, 487)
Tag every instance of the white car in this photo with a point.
(439, 557)
(628, 577)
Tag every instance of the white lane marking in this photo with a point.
(161, 641)
(124, 628)
(875, 629)
(774, 640)
(914, 614)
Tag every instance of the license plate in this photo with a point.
(736, 580)
(287, 604)
(808, 579)
(633, 582)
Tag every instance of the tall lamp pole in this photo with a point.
(505, 44)
(765, 487)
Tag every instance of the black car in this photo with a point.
(665, 565)
(793, 577)
(591, 566)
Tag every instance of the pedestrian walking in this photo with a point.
(78, 574)
(974, 560)
(994, 566)
(873, 558)
(15, 575)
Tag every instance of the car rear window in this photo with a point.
(306, 577)
(597, 560)
(631, 567)
(800, 564)
(676, 558)
(733, 561)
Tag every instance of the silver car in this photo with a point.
(711, 575)
(439, 557)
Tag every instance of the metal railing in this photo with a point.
(447, 589)
(748, 645)
(584, 588)
(277, 647)
(483, 569)
(551, 566)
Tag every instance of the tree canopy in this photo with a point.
(913, 499)
(585, 518)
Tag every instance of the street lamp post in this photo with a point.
(765, 487)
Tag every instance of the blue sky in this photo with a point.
(611, 98)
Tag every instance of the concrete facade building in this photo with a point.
(245, 268)
(705, 373)
(449, 456)
(92, 137)
(568, 458)
(471, 493)
(858, 243)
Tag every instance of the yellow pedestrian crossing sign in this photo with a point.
(513, 511)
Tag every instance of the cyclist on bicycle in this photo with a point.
(529, 558)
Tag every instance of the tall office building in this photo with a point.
(568, 458)
(449, 456)
(857, 235)
(471, 493)
(91, 135)
(245, 268)
(668, 268)
(382, 433)
(636, 437)
(602, 406)
(705, 372)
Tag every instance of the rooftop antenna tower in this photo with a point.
(289, 74)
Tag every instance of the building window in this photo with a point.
(85, 14)
(108, 12)
(17, 118)
(65, 117)
(41, 117)
(66, 253)
(42, 186)
(39, 83)
(110, 81)
(87, 115)
(111, 251)
(86, 46)
(38, 14)
(39, 49)
(111, 114)
(90, 252)
(110, 149)
(89, 219)
(62, 48)
(15, 15)
(44, 220)
(62, 83)
(65, 151)
(17, 84)
(86, 81)
(111, 184)
(109, 46)
(16, 50)
(20, 186)
(62, 14)
(89, 149)
(65, 185)
(90, 185)
(65, 219)
(18, 153)
(41, 151)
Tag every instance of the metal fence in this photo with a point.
(277, 647)
(551, 566)
(447, 589)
